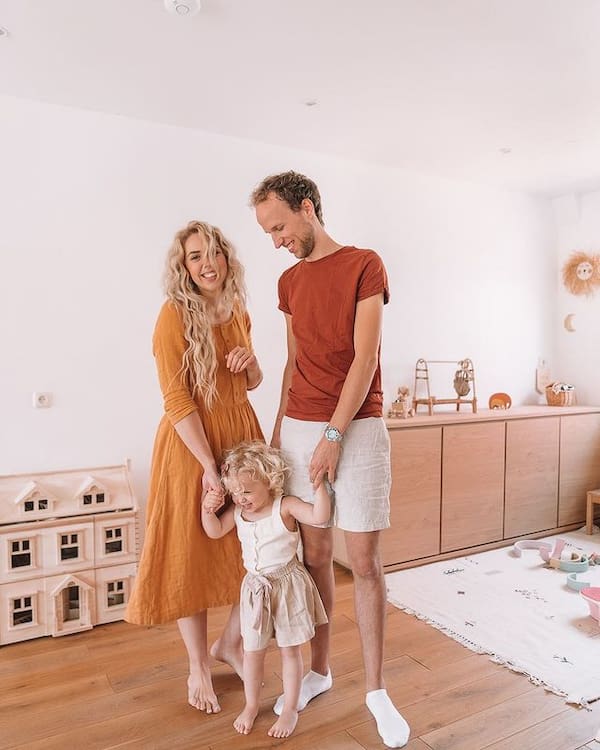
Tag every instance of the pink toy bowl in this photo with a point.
(592, 597)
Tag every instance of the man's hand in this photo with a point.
(324, 462)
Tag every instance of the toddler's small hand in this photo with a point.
(212, 501)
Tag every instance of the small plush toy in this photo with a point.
(401, 407)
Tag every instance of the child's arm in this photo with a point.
(214, 525)
(316, 514)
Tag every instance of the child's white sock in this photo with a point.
(313, 684)
(391, 725)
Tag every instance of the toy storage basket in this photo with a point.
(562, 398)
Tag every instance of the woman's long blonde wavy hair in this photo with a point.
(199, 364)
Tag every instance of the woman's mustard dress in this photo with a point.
(181, 570)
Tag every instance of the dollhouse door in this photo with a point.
(71, 604)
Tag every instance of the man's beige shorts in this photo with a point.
(361, 491)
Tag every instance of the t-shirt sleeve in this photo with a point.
(282, 290)
(373, 279)
(169, 345)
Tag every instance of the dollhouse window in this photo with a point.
(20, 553)
(115, 593)
(22, 611)
(113, 540)
(43, 504)
(89, 498)
(29, 506)
(69, 546)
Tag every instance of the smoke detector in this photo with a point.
(182, 7)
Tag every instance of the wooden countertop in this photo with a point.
(486, 415)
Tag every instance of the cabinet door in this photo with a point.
(472, 484)
(415, 497)
(531, 479)
(579, 465)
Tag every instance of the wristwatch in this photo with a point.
(333, 434)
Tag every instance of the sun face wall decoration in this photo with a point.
(581, 273)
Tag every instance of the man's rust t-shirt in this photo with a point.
(321, 296)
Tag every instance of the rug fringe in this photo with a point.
(496, 658)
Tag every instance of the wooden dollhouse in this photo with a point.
(68, 550)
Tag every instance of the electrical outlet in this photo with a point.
(42, 400)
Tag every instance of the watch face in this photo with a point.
(331, 433)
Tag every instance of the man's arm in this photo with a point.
(367, 336)
(286, 381)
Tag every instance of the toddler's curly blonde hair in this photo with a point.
(259, 461)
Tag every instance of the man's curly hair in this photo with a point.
(291, 187)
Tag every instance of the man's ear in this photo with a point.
(307, 206)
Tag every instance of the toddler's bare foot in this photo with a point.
(232, 656)
(284, 725)
(200, 691)
(245, 721)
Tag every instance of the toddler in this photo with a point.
(278, 596)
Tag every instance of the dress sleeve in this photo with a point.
(169, 345)
(248, 330)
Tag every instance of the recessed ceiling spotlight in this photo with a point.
(505, 151)
(3, 32)
(182, 7)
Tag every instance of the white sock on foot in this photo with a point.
(391, 725)
(313, 684)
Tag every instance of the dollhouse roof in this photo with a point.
(64, 489)
(89, 483)
(32, 488)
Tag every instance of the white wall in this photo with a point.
(90, 202)
(578, 352)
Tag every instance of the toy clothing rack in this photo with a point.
(464, 383)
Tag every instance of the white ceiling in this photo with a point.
(441, 87)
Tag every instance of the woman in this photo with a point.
(205, 366)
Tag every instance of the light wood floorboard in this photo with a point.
(122, 687)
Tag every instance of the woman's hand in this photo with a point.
(240, 359)
(211, 480)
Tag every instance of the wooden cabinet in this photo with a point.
(415, 502)
(464, 482)
(531, 478)
(472, 484)
(579, 465)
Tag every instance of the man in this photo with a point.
(329, 422)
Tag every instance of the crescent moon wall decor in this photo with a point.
(569, 322)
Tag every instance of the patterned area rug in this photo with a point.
(518, 609)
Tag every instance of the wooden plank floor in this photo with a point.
(124, 687)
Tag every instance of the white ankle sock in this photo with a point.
(391, 725)
(313, 684)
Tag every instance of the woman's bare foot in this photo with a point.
(245, 721)
(285, 725)
(232, 656)
(200, 691)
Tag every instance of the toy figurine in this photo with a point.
(401, 408)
